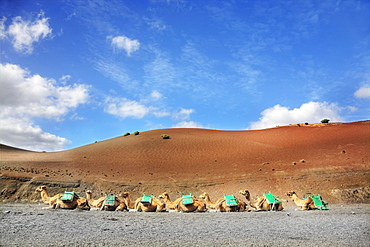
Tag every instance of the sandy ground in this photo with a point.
(30, 225)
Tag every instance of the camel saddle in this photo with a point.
(110, 200)
(67, 196)
(187, 199)
(146, 199)
(231, 201)
(317, 200)
(271, 198)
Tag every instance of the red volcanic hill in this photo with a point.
(328, 159)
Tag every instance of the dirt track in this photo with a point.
(30, 225)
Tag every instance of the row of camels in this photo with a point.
(163, 203)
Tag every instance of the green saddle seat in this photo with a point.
(231, 201)
(271, 198)
(187, 199)
(146, 199)
(67, 196)
(319, 203)
(110, 200)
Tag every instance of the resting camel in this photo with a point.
(260, 204)
(126, 197)
(154, 206)
(51, 201)
(100, 203)
(54, 202)
(169, 204)
(303, 204)
(220, 204)
(196, 206)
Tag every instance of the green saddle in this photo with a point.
(231, 201)
(271, 198)
(146, 199)
(67, 196)
(187, 199)
(110, 200)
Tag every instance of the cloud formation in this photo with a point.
(363, 92)
(188, 124)
(124, 43)
(25, 97)
(308, 112)
(25, 33)
(124, 108)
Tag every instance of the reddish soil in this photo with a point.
(328, 159)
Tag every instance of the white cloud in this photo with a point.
(188, 124)
(124, 108)
(183, 114)
(124, 43)
(25, 33)
(24, 97)
(363, 92)
(308, 112)
(156, 95)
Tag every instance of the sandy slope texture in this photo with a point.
(328, 159)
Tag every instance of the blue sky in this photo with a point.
(76, 72)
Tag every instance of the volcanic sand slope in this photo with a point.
(327, 159)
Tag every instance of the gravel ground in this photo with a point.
(30, 225)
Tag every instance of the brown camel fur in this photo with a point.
(97, 203)
(100, 203)
(220, 204)
(196, 206)
(126, 196)
(155, 205)
(51, 201)
(260, 204)
(210, 204)
(54, 202)
(303, 204)
(169, 204)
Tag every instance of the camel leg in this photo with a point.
(102, 207)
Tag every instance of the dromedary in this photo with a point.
(149, 204)
(76, 202)
(171, 205)
(221, 205)
(261, 203)
(303, 204)
(193, 206)
(51, 201)
(126, 196)
(103, 203)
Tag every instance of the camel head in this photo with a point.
(124, 194)
(290, 193)
(164, 195)
(203, 196)
(40, 188)
(244, 192)
(89, 192)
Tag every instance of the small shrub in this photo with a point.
(136, 133)
(306, 123)
(302, 161)
(164, 136)
(325, 120)
(126, 134)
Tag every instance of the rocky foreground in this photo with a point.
(29, 225)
